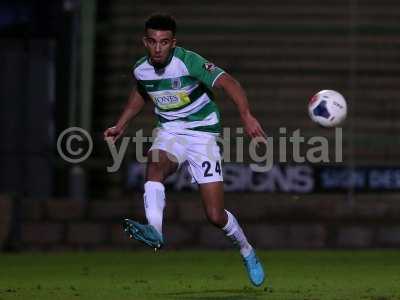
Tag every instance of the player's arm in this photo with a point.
(235, 91)
(132, 108)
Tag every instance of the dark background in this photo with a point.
(282, 52)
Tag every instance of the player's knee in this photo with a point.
(216, 217)
(155, 172)
(159, 166)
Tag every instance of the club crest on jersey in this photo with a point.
(176, 83)
(209, 66)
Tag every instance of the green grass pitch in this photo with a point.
(201, 275)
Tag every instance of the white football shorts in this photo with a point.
(199, 149)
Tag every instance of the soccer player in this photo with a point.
(179, 83)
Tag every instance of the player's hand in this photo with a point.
(113, 133)
(253, 127)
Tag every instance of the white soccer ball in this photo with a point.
(327, 108)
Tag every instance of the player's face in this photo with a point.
(159, 44)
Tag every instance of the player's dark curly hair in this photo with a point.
(161, 22)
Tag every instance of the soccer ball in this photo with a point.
(327, 108)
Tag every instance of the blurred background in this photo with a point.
(69, 63)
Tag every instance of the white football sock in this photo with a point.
(235, 233)
(154, 203)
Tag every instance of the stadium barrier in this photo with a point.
(270, 220)
(5, 219)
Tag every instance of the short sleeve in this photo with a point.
(139, 85)
(201, 69)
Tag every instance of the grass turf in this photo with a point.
(201, 275)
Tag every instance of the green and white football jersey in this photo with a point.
(181, 91)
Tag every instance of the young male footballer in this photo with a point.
(179, 82)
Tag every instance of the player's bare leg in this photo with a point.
(161, 164)
(159, 167)
(213, 201)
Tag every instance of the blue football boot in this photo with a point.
(146, 234)
(254, 269)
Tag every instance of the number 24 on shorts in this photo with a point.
(206, 165)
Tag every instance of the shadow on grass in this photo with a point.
(222, 294)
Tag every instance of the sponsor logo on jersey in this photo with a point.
(166, 100)
(209, 66)
(176, 83)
